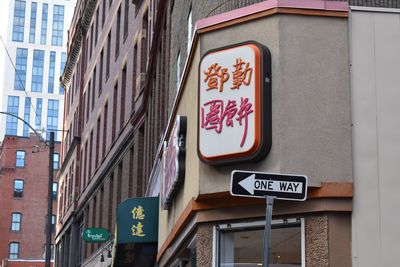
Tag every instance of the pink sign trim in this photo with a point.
(270, 4)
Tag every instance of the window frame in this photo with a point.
(9, 250)
(17, 159)
(54, 193)
(19, 223)
(54, 161)
(232, 227)
(17, 194)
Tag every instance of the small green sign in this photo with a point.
(96, 235)
(137, 220)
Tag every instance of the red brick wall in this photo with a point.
(33, 204)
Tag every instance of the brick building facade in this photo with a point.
(125, 64)
(23, 200)
(107, 95)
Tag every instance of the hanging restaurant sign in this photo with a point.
(174, 161)
(234, 111)
(137, 220)
(96, 235)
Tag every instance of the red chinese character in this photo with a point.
(240, 75)
(230, 112)
(243, 113)
(214, 118)
(214, 73)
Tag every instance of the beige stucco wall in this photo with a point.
(311, 127)
(190, 187)
(375, 79)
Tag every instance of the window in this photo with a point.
(144, 45)
(16, 221)
(63, 61)
(242, 244)
(38, 119)
(20, 66)
(18, 188)
(108, 55)
(12, 122)
(101, 71)
(27, 116)
(58, 25)
(117, 33)
(89, 88)
(51, 251)
(123, 91)
(90, 154)
(19, 21)
(178, 71)
(52, 117)
(94, 87)
(97, 142)
(20, 158)
(103, 17)
(14, 251)
(126, 18)
(97, 26)
(138, 3)
(53, 224)
(37, 70)
(43, 30)
(52, 65)
(55, 188)
(91, 41)
(114, 115)
(189, 31)
(134, 72)
(32, 26)
(105, 118)
(56, 161)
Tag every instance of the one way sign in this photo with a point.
(257, 184)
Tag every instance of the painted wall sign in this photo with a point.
(174, 161)
(234, 110)
(96, 235)
(137, 220)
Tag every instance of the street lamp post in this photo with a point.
(50, 144)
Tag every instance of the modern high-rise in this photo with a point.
(36, 43)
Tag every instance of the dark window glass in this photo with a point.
(126, 18)
(117, 31)
(18, 188)
(108, 55)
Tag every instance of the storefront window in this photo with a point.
(241, 245)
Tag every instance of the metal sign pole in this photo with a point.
(267, 230)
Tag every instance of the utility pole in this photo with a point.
(49, 229)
